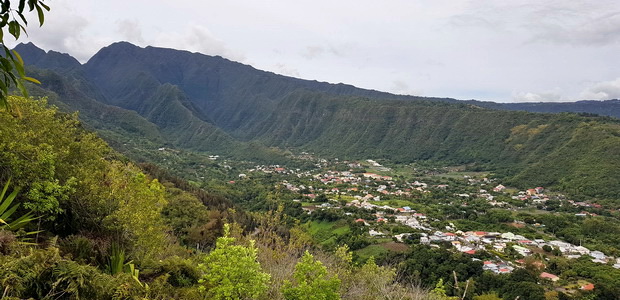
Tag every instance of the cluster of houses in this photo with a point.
(368, 188)
(270, 169)
(365, 186)
(498, 266)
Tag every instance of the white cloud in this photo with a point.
(130, 31)
(312, 52)
(551, 96)
(66, 30)
(605, 90)
(462, 49)
(283, 69)
(198, 39)
(402, 88)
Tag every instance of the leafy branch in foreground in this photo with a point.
(6, 211)
(11, 61)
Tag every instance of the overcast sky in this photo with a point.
(505, 51)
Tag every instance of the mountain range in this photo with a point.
(153, 97)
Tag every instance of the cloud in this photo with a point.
(130, 31)
(564, 22)
(552, 96)
(575, 28)
(199, 39)
(602, 90)
(66, 31)
(283, 69)
(312, 52)
(402, 88)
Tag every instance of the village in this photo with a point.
(384, 196)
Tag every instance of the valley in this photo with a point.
(385, 210)
(148, 169)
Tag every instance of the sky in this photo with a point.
(495, 50)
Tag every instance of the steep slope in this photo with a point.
(578, 154)
(229, 93)
(56, 61)
(157, 115)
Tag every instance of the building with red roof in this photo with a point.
(549, 276)
(587, 287)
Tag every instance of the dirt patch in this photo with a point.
(517, 225)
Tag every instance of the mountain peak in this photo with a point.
(30, 52)
(35, 56)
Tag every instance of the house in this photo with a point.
(598, 255)
(582, 250)
(539, 190)
(419, 215)
(531, 192)
(402, 236)
(448, 236)
(508, 236)
(522, 250)
(374, 233)
(587, 287)
(525, 242)
(549, 276)
(499, 188)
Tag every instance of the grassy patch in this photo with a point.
(372, 250)
(327, 233)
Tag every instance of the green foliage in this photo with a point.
(44, 274)
(311, 282)
(137, 215)
(490, 296)
(440, 291)
(184, 212)
(45, 153)
(6, 211)
(232, 271)
(430, 265)
(116, 261)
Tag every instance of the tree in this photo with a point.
(312, 282)
(10, 61)
(440, 291)
(232, 271)
(137, 213)
(490, 296)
